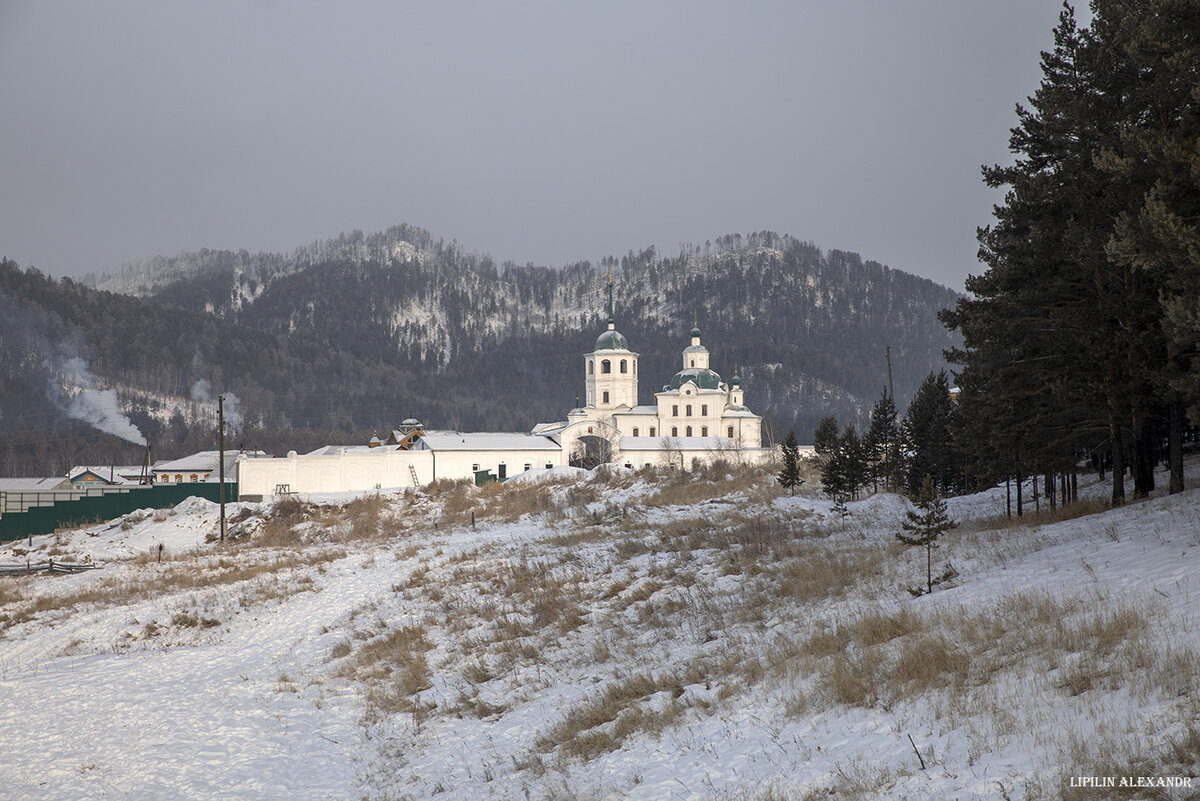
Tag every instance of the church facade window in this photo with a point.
(675, 410)
(624, 366)
(689, 410)
(606, 367)
(704, 431)
(635, 431)
(729, 432)
(652, 431)
(674, 431)
(704, 410)
(689, 431)
(606, 397)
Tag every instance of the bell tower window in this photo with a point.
(591, 367)
(624, 366)
(606, 366)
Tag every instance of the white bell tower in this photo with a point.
(611, 370)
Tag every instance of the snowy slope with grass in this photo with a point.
(611, 635)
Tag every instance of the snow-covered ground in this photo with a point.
(623, 637)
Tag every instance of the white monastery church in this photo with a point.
(696, 417)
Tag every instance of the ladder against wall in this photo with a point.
(412, 471)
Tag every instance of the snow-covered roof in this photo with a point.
(738, 411)
(498, 441)
(33, 484)
(678, 443)
(118, 474)
(335, 450)
(205, 462)
(650, 410)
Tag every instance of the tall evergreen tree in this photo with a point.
(1063, 347)
(881, 444)
(927, 428)
(789, 474)
(825, 438)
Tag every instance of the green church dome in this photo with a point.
(612, 340)
(701, 377)
(696, 333)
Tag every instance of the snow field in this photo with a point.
(631, 636)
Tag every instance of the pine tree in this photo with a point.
(789, 476)
(927, 428)
(881, 444)
(925, 524)
(1158, 236)
(825, 438)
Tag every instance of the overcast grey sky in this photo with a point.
(536, 130)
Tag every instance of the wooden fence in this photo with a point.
(48, 566)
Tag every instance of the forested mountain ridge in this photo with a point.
(817, 323)
(353, 333)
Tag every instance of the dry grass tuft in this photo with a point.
(263, 576)
(393, 667)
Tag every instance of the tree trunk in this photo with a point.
(929, 567)
(1175, 448)
(1143, 452)
(1118, 464)
(1020, 504)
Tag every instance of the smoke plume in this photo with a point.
(77, 396)
(202, 393)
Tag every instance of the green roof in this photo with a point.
(612, 340)
(701, 377)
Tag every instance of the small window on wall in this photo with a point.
(688, 409)
(195, 478)
(729, 432)
(693, 364)
(674, 431)
(590, 430)
(629, 465)
(474, 468)
(635, 431)
(606, 397)
(606, 366)
(652, 432)
(704, 431)
(178, 478)
(624, 366)
(704, 410)
(528, 466)
(689, 431)
(549, 466)
(675, 410)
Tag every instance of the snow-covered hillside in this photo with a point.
(616, 636)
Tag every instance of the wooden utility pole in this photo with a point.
(221, 458)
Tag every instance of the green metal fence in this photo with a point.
(84, 511)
